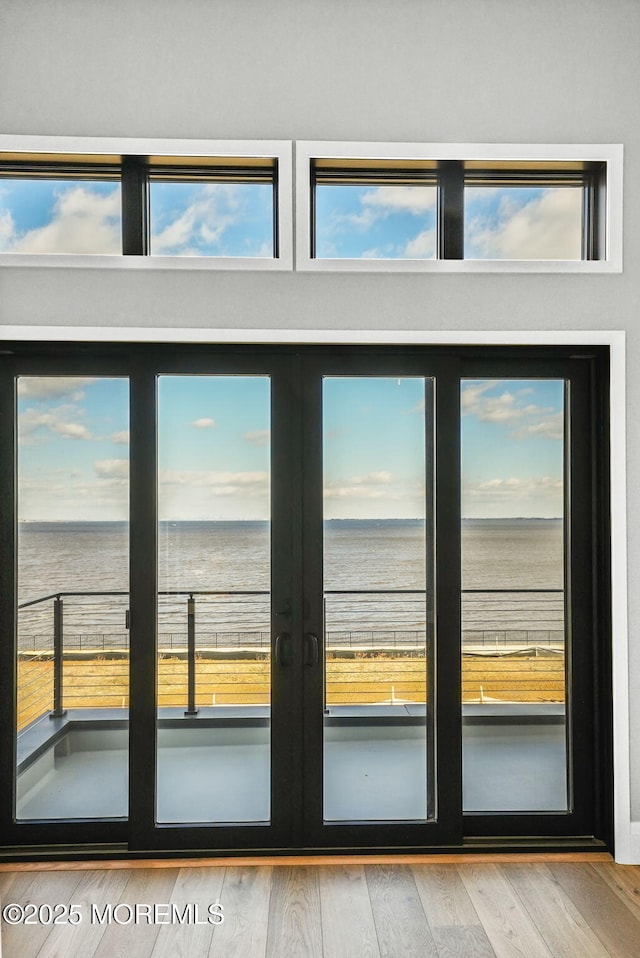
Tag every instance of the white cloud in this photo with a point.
(7, 230)
(422, 246)
(378, 252)
(204, 423)
(541, 496)
(70, 496)
(112, 468)
(508, 409)
(83, 221)
(551, 428)
(258, 437)
(547, 227)
(59, 421)
(371, 486)
(121, 437)
(220, 483)
(71, 430)
(204, 221)
(376, 205)
(400, 199)
(209, 494)
(50, 387)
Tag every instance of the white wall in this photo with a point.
(407, 70)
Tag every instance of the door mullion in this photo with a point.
(448, 679)
(286, 604)
(313, 603)
(143, 608)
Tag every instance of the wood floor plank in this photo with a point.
(348, 927)
(508, 926)
(190, 936)
(245, 896)
(558, 920)
(143, 887)
(610, 918)
(463, 941)
(82, 940)
(444, 898)
(401, 924)
(625, 881)
(294, 914)
(27, 940)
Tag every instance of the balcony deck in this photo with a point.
(215, 767)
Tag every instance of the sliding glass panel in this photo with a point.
(375, 222)
(214, 691)
(521, 222)
(378, 592)
(513, 608)
(42, 215)
(73, 580)
(211, 219)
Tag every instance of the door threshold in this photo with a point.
(78, 858)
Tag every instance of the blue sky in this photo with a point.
(523, 223)
(59, 216)
(399, 222)
(236, 219)
(214, 449)
(388, 222)
(83, 216)
(511, 448)
(214, 219)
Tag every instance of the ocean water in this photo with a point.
(381, 556)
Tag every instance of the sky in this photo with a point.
(214, 448)
(236, 219)
(399, 222)
(187, 219)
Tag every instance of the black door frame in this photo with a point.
(297, 824)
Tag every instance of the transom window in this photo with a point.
(221, 208)
(371, 207)
(426, 207)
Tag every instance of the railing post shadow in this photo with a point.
(58, 711)
(191, 656)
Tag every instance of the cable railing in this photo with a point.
(214, 646)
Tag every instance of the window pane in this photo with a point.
(513, 609)
(73, 580)
(59, 216)
(517, 222)
(375, 222)
(214, 685)
(211, 219)
(378, 600)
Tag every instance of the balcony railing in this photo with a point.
(214, 647)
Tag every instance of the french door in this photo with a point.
(348, 597)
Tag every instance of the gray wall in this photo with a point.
(417, 70)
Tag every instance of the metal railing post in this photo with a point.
(58, 711)
(191, 657)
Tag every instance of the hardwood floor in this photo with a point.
(340, 908)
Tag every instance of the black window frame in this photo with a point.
(450, 177)
(135, 172)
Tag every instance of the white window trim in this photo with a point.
(612, 154)
(276, 149)
(627, 832)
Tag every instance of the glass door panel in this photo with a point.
(214, 636)
(73, 581)
(514, 477)
(378, 599)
